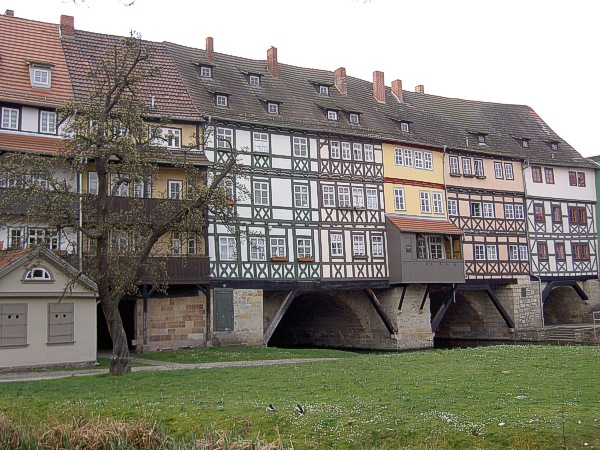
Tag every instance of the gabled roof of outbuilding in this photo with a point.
(430, 226)
(36, 144)
(24, 42)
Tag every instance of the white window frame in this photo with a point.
(508, 171)
(41, 77)
(377, 250)
(278, 247)
(407, 157)
(513, 252)
(425, 202)
(258, 248)
(436, 247)
(498, 171)
(16, 238)
(92, 183)
(369, 153)
(334, 152)
(175, 189)
(438, 202)
(478, 168)
(37, 274)
(452, 207)
(399, 199)
(357, 151)
(167, 137)
(492, 252)
(260, 192)
(260, 142)
(418, 159)
(358, 245)
(221, 100)
(324, 90)
(344, 199)
(519, 212)
(332, 115)
(206, 72)
(227, 248)
(488, 210)
(301, 196)
(398, 159)
(47, 122)
(454, 165)
(224, 135)
(329, 196)
(336, 244)
(354, 118)
(192, 246)
(509, 211)
(523, 252)
(176, 242)
(358, 197)
(304, 248)
(346, 151)
(479, 252)
(272, 108)
(466, 166)
(10, 118)
(428, 158)
(300, 145)
(253, 80)
(372, 195)
(405, 127)
(476, 209)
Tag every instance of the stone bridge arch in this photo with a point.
(563, 305)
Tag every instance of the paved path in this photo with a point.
(152, 366)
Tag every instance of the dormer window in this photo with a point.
(554, 145)
(272, 108)
(481, 138)
(254, 80)
(222, 100)
(354, 118)
(332, 115)
(206, 71)
(40, 76)
(38, 274)
(525, 143)
(324, 90)
(405, 127)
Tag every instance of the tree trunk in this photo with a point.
(120, 362)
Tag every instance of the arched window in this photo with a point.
(38, 274)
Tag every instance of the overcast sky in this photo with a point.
(544, 53)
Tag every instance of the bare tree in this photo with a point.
(107, 134)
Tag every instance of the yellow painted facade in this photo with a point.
(403, 165)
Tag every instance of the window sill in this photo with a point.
(481, 177)
(279, 259)
(306, 259)
(360, 256)
(53, 344)
(468, 175)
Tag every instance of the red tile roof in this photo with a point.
(19, 142)
(424, 225)
(7, 257)
(25, 41)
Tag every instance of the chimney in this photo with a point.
(67, 25)
(209, 53)
(272, 64)
(339, 78)
(378, 86)
(397, 90)
(9, 13)
(420, 89)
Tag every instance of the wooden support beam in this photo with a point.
(404, 288)
(571, 283)
(439, 315)
(382, 314)
(424, 298)
(278, 316)
(492, 295)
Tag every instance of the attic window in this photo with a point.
(525, 143)
(38, 274)
(206, 71)
(272, 108)
(405, 127)
(554, 145)
(354, 118)
(254, 80)
(40, 76)
(332, 115)
(324, 90)
(481, 138)
(222, 100)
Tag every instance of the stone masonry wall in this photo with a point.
(248, 320)
(173, 322)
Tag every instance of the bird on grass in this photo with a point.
(298, 409)
(270, 408)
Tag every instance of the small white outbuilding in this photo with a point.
(47, 311)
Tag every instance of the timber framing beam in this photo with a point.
(404, 288)
(287, 301)
(492, 296)
(439, 315)
(570, 283)
(382, 314)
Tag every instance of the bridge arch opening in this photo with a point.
(563, 306)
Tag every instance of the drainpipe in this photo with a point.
(524, 166)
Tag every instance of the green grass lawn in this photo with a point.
(521, 397)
